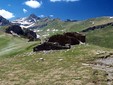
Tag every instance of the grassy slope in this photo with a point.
(10, 45)
(74, 26)
(28, 69)
(64, 67)
(101, 37)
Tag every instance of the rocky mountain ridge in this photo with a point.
(27, 22)
(4, 21)
(48, 25)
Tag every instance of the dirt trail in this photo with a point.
(105, 64)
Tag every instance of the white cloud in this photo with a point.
(33, 3)
(51, 15)
(64, 0)
(24, 10)
(9, 4)
(6, 14)
(42, 16)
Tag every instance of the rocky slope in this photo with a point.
(27, 22)
(4, 22)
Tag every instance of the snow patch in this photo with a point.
(38, 36)
(111, 17)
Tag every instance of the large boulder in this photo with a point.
(75, 37)
(61, 41)
(72, 38)
(50, 46)
(32, 36)
(15, 29)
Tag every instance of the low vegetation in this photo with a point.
(10, 45)
(19, 65)
(65, 67)
(101, 37)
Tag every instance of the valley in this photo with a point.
(83, 64)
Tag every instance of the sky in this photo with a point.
(63, 9)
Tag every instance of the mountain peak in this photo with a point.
(0, 16)
(4, 21)
(33, 16)
(27, 22)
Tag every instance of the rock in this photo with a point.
(17, 30)
(97, 27)
(14, 28)
(60, 59)
(71, 38)
(50, 46)
(41, 59)
(85, 64)
(61, 41)
(32, 36)
(74, 36)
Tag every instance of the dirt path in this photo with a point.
(105, 64)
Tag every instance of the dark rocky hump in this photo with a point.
(72, 38)
(50, 46)
(16, 29)
(76, 36)
(61, 39)
(97, 27)
(32, 36)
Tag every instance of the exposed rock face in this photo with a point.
(27, 22)
(64, 41)
(32, 36)
(61, 39)
(16, 29)
(33, 18)
(71, 38)
(50, 46)
(4, 21)
(69, 20)
(75, 37)
(97, 27)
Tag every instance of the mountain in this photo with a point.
(78, 25)
(32, 22)
(56, 26)
(33, 18)
(27, 22)
(4, 21)
(75, 66)
(48, 26)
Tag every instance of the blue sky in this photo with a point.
(64, 9)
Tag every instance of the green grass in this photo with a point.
(20, 66)
(64, 67)
(10, 45)
(26, 69)
(101, 37)
(62, 26)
